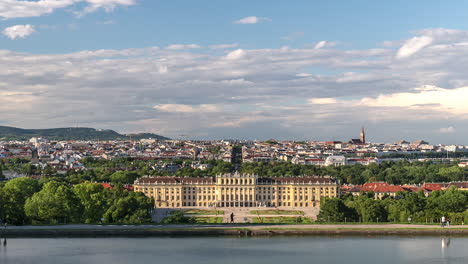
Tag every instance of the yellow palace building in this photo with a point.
(237, 190)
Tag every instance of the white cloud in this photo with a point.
(17, 9)
(224, 46)
(244, 93)
(236, 54)
(434, 98)
(183, 108)
(413, 45)
(237, 82)
(108, 5)
(182, 46)
(447, 130)
(323, 100)
(432, 39)
(18, 31)
(323, 44)
(320, 44)
(251, 20)
(303, 74)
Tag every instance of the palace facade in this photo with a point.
(237, 190)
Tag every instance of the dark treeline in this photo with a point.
(420, 155)
(399, 172)
(405, 207)
(393, 172)
(126, 170)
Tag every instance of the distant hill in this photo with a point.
(138, 136)
(70, 133)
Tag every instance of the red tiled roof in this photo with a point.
(106, 185)
(374, 184)
(432, 186)
(380, 187)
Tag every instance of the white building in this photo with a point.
(335, 161)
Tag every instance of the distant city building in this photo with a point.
(335, 161)
(237, 190)
(361, 139)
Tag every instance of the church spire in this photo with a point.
(363, 136)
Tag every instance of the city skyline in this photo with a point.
(261, 70)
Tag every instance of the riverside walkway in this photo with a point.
(239, 230)
(234, 226)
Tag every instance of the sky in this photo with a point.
(207, 69)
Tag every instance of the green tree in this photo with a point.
(410, 205)
(28, 169)
(451, 200)
(335, 210)
(94, 199)
(49, 171)
(123, 177)
(15, 193)
(371, 210)
(2, 205)
(54, 203)
(133, 208)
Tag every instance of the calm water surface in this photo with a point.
(284, 250)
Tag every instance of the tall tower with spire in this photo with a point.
(363, 136)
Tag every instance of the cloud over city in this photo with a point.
(283, 92)
(252, 20)
(18, 31)
(10, 9)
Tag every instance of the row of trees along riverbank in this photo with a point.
(27, 201)
(405, 207)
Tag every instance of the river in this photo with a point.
(230, 250)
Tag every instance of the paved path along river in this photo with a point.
(234, 226)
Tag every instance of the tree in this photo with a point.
(410, 205)
(123, 177)
(28, 169)
(15, 193)
(335, 210)
(451, 200)
(49, 171)
(370, 210)
(134, 208)
(94, 199)
(2, 205)
(54, 203)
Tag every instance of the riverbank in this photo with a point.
(231, 230)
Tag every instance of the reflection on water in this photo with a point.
(445, 242)
(229, 250)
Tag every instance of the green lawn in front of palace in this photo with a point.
(203, 212)
(277, 212)
(208, 220)
(282, 220)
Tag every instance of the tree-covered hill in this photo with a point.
(69, 133)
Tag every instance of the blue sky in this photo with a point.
(239, 69)
(356, 24)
